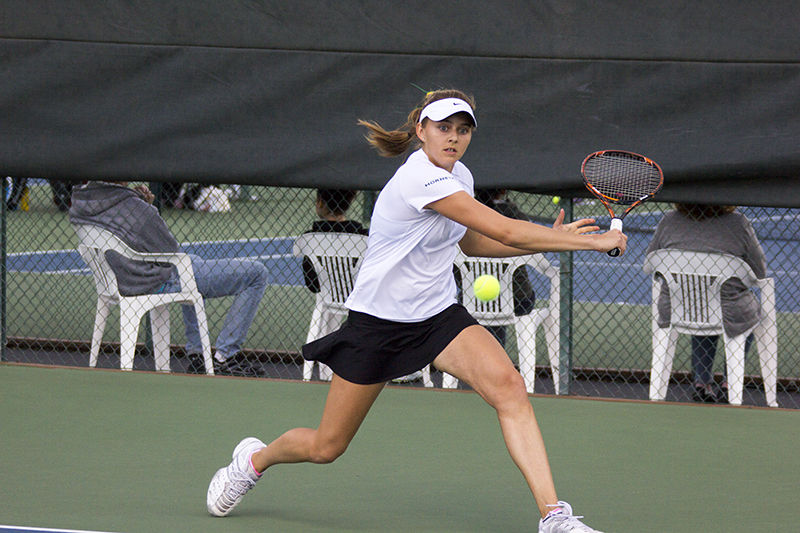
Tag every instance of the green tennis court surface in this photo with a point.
(133, 452)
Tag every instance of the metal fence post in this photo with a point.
(565, 304)
(3, 243)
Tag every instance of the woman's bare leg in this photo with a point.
(345, 409)
(476, 358)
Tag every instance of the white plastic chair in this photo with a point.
(500, 311)
(94, 243)
(694, 280)
(336, 258)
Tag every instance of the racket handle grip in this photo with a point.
(616, 223)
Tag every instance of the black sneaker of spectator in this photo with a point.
(237, 365)
(196, 364)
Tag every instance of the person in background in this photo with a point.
(718, 229)
(331, 206)
(240, 192)
(129, 214)
(62, 193)
(524, 296)
(17, 194)
(171, 194)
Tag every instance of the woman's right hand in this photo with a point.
(611, 239)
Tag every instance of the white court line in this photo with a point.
(82, 271)
(42, 252)
(599, 264)
(772, 218)
(254, 239)
(71, 271)
(229, 241)
(47, 530)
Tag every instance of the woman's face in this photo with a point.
(445, 141)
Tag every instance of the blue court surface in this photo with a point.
(597, 277)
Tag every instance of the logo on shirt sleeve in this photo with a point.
(437, 180)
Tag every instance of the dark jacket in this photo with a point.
(732, 234)
(124, 213)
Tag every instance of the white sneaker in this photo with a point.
(408, 378)
(561, 520)
(231, 483)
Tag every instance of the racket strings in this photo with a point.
(621, 178)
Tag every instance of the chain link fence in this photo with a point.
(579, 324)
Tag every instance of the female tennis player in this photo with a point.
(403, 311)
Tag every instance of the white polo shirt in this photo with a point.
(407, 273)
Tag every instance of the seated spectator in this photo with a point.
(202, 197)
(331, 206)
(718, 229)
(62, 191)
(524, 296)
(128, 213)
(17, 194)
(240, 192)
(171, 194)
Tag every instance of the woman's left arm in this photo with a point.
(474, 244)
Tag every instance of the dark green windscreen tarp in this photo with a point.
(269, 92)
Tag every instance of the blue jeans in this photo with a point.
(242, 278)
(704, 349)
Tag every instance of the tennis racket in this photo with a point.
(617, 177)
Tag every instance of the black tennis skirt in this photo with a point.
(367, 349)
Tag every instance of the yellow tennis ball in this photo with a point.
(556, 199)
(486, 288)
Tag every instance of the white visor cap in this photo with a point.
(441, 109)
